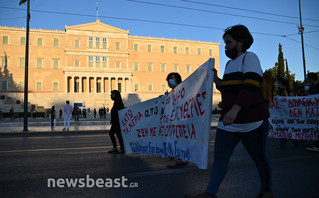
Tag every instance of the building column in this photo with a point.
(124, 90)
(117, 83)
(129, 85)
(66, 84)
(103, 85)
(80, 84)
(88, 88)
(110, 84)
(72, 84)
(95, 83)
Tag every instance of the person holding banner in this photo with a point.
(115, 123)
(244, 113)
(284, 90)
(313, 89)
(173, 79)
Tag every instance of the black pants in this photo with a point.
(117, 131)
(52, 121)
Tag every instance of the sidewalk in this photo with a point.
(44, 125)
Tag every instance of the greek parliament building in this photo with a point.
(85, 62)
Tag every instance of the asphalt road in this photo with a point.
(29, 162)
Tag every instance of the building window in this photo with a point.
(199, 51)
(104, 61)
(176, 67)
(136, 87)
(162, 48)
(39, 62)
(90, 63)
(97, 61)
(77, 43)
(21, 85)
(136, 66)
(135, 47)
(5, 40)
(4, 85)
(55, 63)
(97, 43)
(163, 67)
(187, 50)
(90, 42)
(40, 42)
(150, 87)
(175, 49)
(117, 64)
(104, 43)
(149, 67)
(98, 86)
(76, 63)
(163, 85)
(4, 62)
(22, 63)
(210, 52)
(149, 47)
(22, 40)
(39, 86)
(56, 42)
(118, 45)
(188, 69)
(55, 86)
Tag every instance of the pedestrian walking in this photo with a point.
(115, 123)
(67, 115)
(244, 113)
(53, 120)
(76, 112)
(60, 114)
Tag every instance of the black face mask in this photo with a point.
(232, 53)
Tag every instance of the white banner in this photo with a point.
(177, 124)
(295, 118)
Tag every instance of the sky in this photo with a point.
(271, 22)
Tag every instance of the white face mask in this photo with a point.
(171, 83)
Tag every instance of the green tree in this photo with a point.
(290, 77)
(281, 64)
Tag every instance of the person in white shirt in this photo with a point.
(67, 115)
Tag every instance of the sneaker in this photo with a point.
(177, 165)
(121, 151)
(67, 129)
(63, 129)
(201, 195)
(114, 150)
(314, 148)
(265, 195)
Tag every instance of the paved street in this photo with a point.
(28, 161)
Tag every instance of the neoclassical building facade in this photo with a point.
(85, 62)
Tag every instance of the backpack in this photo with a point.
(267, 85)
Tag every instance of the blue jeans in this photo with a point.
(254, 142)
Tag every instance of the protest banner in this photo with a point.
(177, 124)
(295, 118)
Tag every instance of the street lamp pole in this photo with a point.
(301, 29)
(25, 123)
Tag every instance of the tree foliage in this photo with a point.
(281, 63)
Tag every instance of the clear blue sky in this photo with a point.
(202, 20)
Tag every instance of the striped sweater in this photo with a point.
(241, 85)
